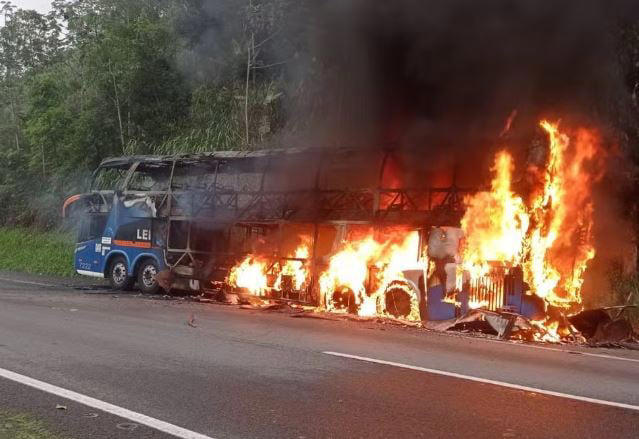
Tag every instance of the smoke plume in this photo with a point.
(449, 73)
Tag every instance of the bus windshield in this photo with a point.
(109, 178)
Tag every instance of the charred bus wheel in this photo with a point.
(398, 300)
(344, 299)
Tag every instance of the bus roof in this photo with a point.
(206, 156)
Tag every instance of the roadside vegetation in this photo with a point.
(21, 426)
(100, 78)
(35, 251)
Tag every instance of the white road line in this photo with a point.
(27, 282)
(567, 351)
(487, 381)
(534, 346)
(139, 418)
(589, 354)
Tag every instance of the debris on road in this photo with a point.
(594, 327)
(606, 326)
(505, 325)
(165, 279)
(60, 407)
(600, 327)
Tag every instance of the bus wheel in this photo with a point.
(147, 270)
(119, 278)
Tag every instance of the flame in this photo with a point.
(495, 223)
(476, 304)
(296, 268)
(349, 273)
(548, 331)
(400, 257)
(550, 237)
(561, 243)
(250, 274)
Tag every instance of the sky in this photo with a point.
(42, 6)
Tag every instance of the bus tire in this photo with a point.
(147, 270)
(118, 274)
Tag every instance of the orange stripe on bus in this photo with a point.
(132, 244)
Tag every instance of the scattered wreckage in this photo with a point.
(599, 327)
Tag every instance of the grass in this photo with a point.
(19, 426)
(37, 252)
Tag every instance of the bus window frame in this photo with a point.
(121, 184)
(134, 167)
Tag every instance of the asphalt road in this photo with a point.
(246, 374)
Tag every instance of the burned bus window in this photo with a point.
(240, 175)
(193, 175)
(151, 177)
(109, 179)
(178, 235)
(351, 170)
(292, 172)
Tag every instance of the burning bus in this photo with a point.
(265, 221)
(349, 230)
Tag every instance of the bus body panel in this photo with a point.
(88, 258)
(92, 257)
(127, 230)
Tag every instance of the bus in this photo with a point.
(195, 216)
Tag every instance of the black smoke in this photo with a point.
(444, 76)
(449, 73)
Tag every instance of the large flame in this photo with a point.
(296, 267)
(551, 236)
(547, 232)
(561, 241)
(347, 273)
(495, 223)
(362, 271)
(250, 274)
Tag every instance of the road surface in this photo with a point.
(255, 374)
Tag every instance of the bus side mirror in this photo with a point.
(68, 202)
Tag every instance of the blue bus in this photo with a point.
(118, 238)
